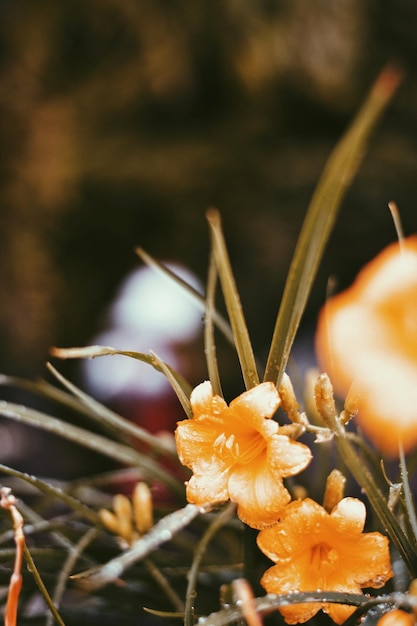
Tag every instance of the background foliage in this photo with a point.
(121, 122)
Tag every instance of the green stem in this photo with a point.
(65, 572)
(44, 592)
(411, 512)
(218, 522)
(164, 585)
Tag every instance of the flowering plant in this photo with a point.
(237, 452)
(242, 476)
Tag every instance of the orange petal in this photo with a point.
(390, 415)
(301, 518)
(252, 406)
(339, 612)
(289, 578)
(396, 617)
(287, 457)
(369, 561)
(259, 493)
(293, 574)
(368, 334)
(299, 613)
(203, 402)
(210, 486)
(390, 273)
(299, 576)
(195, 443)
(349, 514)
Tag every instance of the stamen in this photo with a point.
(219, 442)
(230, 441)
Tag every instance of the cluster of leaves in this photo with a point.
(82, 570)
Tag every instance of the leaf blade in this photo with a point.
(232, 300)
(336, 178)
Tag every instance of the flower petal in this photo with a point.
(368, 335)
(290, 575)
(294, 613)
(195, 443)
(299, 613)
(204, 403)
(349, 516)
(369, 562)
(299, 523)
(259, 493)
(396, 617)
(252, 406)
(286, 456)
(339, 612)
(209, 486)
(287, 579)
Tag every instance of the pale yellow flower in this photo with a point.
(237, 452)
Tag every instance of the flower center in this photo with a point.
(323, 556)
(242, 448)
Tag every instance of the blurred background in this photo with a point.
(122, 121)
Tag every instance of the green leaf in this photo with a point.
(232, 300)
(91, 352)
(321, 215)
(209, 342)
(86, 405)
(103, 445)
(55, 492)
(183, 397)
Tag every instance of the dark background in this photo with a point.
(122, 121)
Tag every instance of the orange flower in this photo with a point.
(316, 550)
(368, 335)
(396, 617)
(236, 452)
